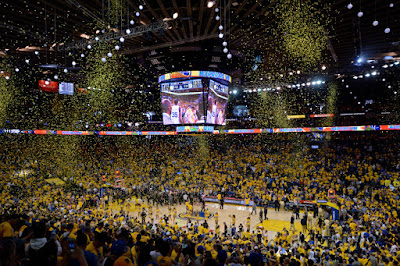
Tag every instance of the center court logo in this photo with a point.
(195, 216)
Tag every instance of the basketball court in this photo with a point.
(277, 220)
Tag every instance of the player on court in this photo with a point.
(174, 215)
(190, 115)
(248, 223)
(176, 113)
(212, 110)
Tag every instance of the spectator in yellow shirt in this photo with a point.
(6, 228)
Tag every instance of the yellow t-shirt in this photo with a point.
(6, 230)
(123, 261)
(96, 251)
(164, 261)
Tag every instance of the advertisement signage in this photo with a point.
(48, 86)
(66, 88)
(195, 74)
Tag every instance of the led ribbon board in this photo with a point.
(195, 74)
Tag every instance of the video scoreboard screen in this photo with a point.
(194, 97)
(182, 102)
(217, 100)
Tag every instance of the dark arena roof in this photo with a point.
(263, 45)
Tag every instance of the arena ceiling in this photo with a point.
(191, 41)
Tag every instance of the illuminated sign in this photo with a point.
(195, 74)
(322, 115)
(195, 129)
(182, 85)
(296, 116)
(218, 87)
(48, 86)
(66, 88)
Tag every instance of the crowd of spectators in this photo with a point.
(71, 224)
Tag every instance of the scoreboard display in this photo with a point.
(218, 87)
(217, 100)
(194, 97)
(182, 85)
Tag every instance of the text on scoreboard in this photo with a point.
(182, 85)
(218, 87)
